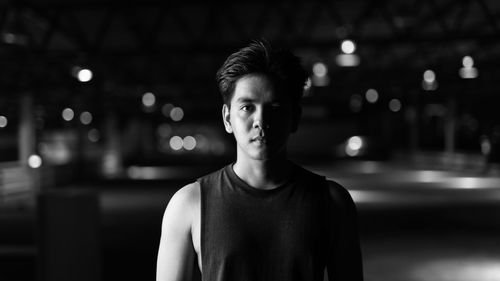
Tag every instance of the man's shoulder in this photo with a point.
(187, 196)
(304, 173)
(214, 174)
(337, 191)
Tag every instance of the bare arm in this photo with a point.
(175, 253)
(344, 262)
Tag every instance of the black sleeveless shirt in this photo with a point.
(248, 234)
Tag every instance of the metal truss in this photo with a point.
(141, 42)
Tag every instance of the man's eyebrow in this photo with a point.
(244, 100)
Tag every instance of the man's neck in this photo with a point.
(266, 174)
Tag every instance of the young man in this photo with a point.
(261, 217)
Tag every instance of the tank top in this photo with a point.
(248, 234)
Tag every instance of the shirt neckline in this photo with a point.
(237, 181)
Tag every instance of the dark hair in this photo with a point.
(281, 66)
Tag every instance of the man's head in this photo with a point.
(261, 89)
(280, 66)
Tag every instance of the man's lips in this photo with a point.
(262, 139)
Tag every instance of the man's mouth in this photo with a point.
(261, 139)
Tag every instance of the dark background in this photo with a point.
(420, 158)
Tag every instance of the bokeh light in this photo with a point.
(34, 161)
(3, 121)
(395, 105)
(189, 143)
(348, 46)
(148, 99)
(467, 62)
(86, 118)
(176, 143)
(177, 114)
(320, 69)
(429, 76)
(371, 95)
(84, 75)
(68, 114)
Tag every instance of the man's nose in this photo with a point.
(260, 120)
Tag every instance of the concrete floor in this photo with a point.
(416, 224)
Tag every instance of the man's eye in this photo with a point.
(246, 107)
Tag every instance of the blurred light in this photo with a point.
(68, 114)
(189, 143)
(458, 269)
(353, 146)
(176, 143)
(57, 151)
(148, 99)
(86, 118)
(166, 109)
(371, 95)
(355, 143)
(3, 121)
(84, 75)
(347, 60)
(355, 103)
(395, 105)
(93, 135)
(35, 161)
(177, 114)
(468, 71)
(429, 76)
(429, 86)
(467, 182)
(348, 47)
(429, 82)
(429, 176)
(9, 38)
(485, 145)
(14, 38)
(467, 62)
(111, 164)
(320, 69)
(308, 84)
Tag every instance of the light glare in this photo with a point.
(395, 105)
(320, 69)
(35, 161)
(68, 114)
(176, 143)
(348, 46)
(3, 121)
(371, 95)
(429, 76)
(84, 75)
(86, 118)
(177, 114)
(468, 62)
(189, 143)
(148, 99)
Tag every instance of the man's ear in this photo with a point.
(297, 114)
(226, 119)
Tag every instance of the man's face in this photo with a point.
(260, 118)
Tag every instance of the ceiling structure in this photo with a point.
(175, 48)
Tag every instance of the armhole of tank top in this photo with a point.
(330, 206)
(202, 220)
